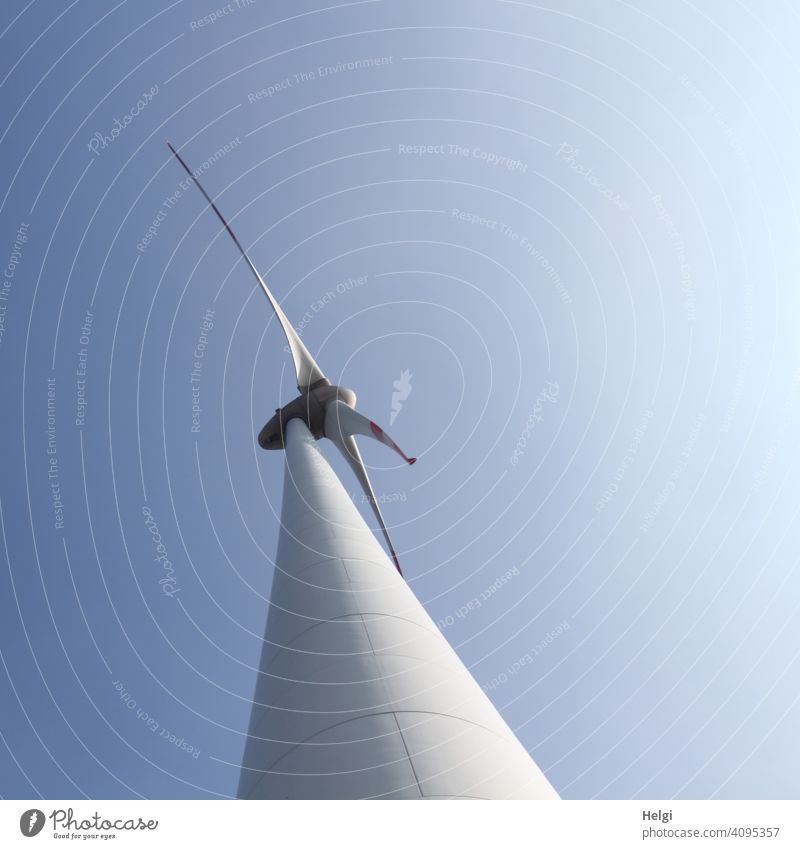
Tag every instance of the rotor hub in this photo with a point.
(309, 407)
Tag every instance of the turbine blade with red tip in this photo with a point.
(349, 422)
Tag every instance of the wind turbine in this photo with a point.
(358, 693)
(326, 409)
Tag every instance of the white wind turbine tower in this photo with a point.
(358, 693)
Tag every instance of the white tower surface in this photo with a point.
(358, 694)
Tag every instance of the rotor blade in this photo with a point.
(347, 445)
(307, 370)
(348, 422)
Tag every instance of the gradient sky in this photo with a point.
(576, 227)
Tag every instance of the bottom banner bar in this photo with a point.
(402, 825)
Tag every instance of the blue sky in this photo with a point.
(575, 227)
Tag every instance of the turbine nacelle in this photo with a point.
(310, 407)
